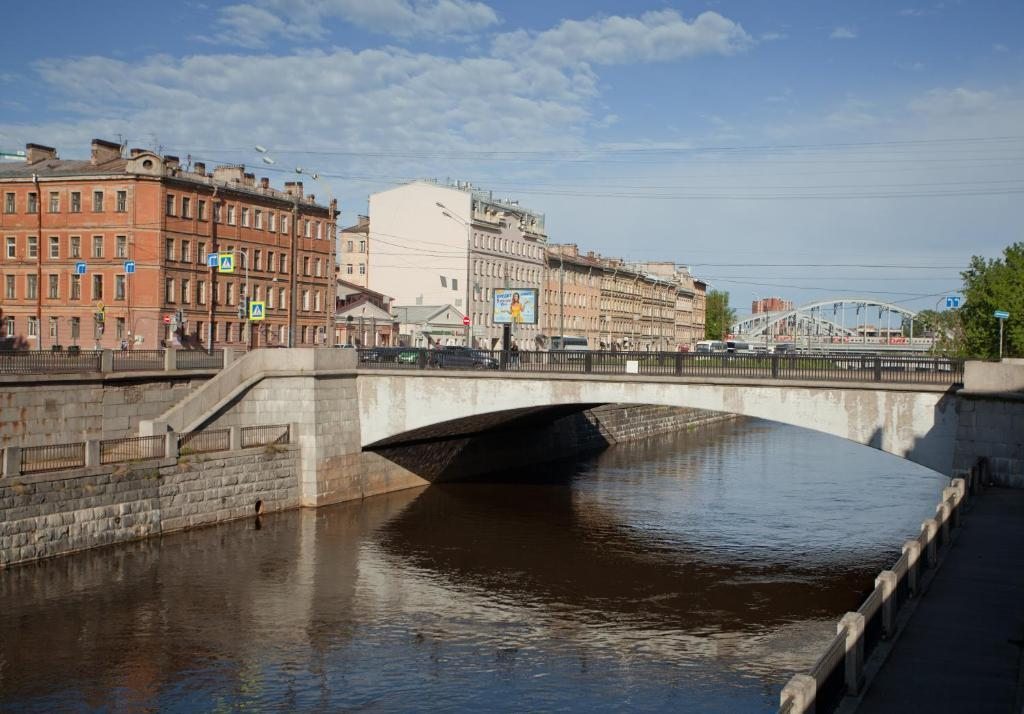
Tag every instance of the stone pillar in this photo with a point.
(913, 550)
(942, 515)
(930, 529)
(171, 446)
(951, 496)
(229, 357)
(170, 359)
(12, 461)
(853, 624)
(802, 690)
(106, 361)
(92, 453)
(235, 438)
(887, 580)
(293, 433)
(152, 427)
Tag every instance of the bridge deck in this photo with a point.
(961, 649)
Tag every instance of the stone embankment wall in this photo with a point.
(990, 436)
(55, 513)
(37, 410)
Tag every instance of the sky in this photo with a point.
(810, 150)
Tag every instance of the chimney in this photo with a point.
(200, 168)
(311, 198)
(363, 220)
(35, 153)
(249, 179)
(104, 151)
(172, 162)
(228, 174)
(293, 188)
(264, 183)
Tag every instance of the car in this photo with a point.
(379, 354)
(456, 356)
(408, 357)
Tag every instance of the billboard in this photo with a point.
(517, 306)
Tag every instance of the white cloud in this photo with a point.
(656, 36)
(853, 113)
(954, 101)
(843, 33)
(252, 24)
(773, 36)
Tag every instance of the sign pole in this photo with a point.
(1000, 339)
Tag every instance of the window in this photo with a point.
(270, 261)
(97, 246)
(169, 290)
(257, 260)
(362, 246)
(201, 210)
(169, 249)
(9, 287)
(76, 202)
(76, 287)
(54, 247)
(120, 334)
(245, 216)
(33, 203)
(305, 299)
(33, 247)
(216, 213)
(284, 223)
(349, 248)
(271, 222)
(186, 251)
(31, 287)
(307, 230)
(122, 202)
(284, 263)
(53, 328)
(305, 265)
(75, 249)
(201, 253)
(316, 301)
(348, 269)
(119, 287)
(54, 287)
(316, 267)
(122, 246)
(319, 231)
(33, 326)
(170, 205)
(186, 207)
(8, 202)
(455, 283)
(97, 287)
(229, 294)
(186, 291)
(282, 296)
(76, 328)
(97, 201)
(270, 298)
(54, 202)
(444, 281)
(201, 292)
(11, 247)
(231, 215)
(9, 326)
(362, 268)
(259, 219)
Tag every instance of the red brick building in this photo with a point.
(770, 304)
(70, 231)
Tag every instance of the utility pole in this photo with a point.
(561, 297)
(294, 260)
(39, 263)
(211, 311)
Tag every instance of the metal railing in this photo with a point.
(55, 457)
(203, 442)
(826, 367)
(65, 362)
(138, 360)
(134, 448)
(198, 359)
(265, 435)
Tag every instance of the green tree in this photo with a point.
(990, 285)
(944, 326)
(718, 315)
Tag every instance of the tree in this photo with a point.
(718, 315)
(990, 285)
(944, 327)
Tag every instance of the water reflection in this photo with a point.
(683, 572)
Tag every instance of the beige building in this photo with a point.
(688, 327)
(571, 303)
(353, 249)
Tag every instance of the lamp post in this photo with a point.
(449, 213)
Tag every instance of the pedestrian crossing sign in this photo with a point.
(257, 310)
(226, 263)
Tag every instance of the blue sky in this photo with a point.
(746, 139)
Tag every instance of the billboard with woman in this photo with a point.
(516, 306)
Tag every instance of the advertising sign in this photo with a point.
(517, 306)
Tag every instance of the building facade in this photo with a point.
(770, 304)
(571, 303)
(353, 250)
(364, 317)
(111, 252)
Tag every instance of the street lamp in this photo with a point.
(449, 213)
(329, 337)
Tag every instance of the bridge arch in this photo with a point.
(759, 324)
(916, 423)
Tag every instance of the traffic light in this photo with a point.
(179, 317)
(98, 317)
(243, 308)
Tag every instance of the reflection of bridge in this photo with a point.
(829, 324)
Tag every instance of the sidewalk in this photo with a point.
(961, 649)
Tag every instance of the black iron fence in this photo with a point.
(203, 442)
(54, 457)
(134, 448)
(825, 367)
(138, 360)
(31, 362)
(264, 435)
(197, 359)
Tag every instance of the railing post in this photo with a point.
(170, 359)
(92, 452)
(679, 363)
(951, 496)
(802, 690)
(588, 363)
(878, 369)
(171, 445)
(421, 359)
(293, 433)
(235, 438)
(229, 356)
(853, 624)
(12, 461)
(930, 529)
(942, 515)
(887, 580)
(775, 366)
(913, 550)
(107, 361)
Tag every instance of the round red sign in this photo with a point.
(465, 320)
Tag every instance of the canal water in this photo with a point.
(695, 571)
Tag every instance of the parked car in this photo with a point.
(408, 357)
(379, 354)
(456, 356)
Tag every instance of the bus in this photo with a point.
(705, 346)
(568, 342)
(737, 347)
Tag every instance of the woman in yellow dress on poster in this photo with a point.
(515, 310)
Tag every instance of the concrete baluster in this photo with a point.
(951, 496)
(930, 529)
(106, 361)
(293, 433)
(942, 515)
(853, 623)
(171, 445)
(170, 360)
(92, 452)
(887, 580)
(913, 550)
(235, 438)
(12, 461)
(229, 356)
(802, 690)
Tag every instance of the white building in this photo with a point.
(436, 244)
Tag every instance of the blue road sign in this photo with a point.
(226, 263)
(257, 310)
(952, 302)
(129, 266)
(80, 268)
(212, 260)
(1001, 314)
